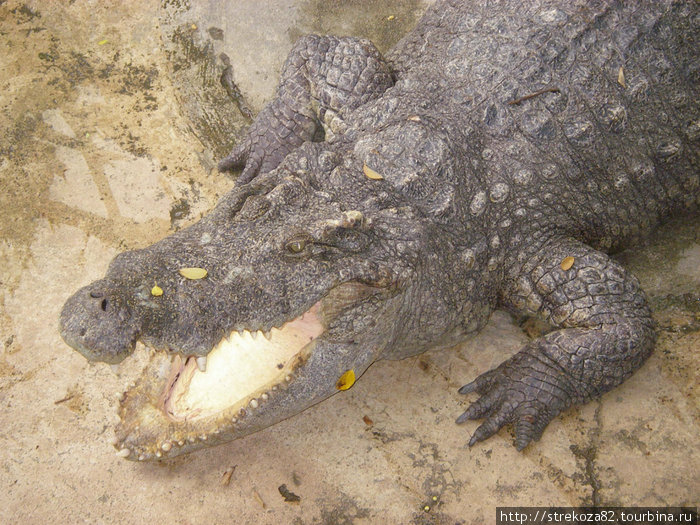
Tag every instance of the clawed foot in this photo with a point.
(527, 391)
(275, 133)
(238, 159)
(255, 154)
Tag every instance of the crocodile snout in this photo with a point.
(98, 323)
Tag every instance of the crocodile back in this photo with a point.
(582, 113)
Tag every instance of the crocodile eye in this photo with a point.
(296, 246)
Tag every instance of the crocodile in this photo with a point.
(387, 205)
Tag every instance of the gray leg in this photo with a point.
(605, 333)
(322, 78)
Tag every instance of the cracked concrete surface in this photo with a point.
(101, 151)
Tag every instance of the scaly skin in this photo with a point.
(487, 198)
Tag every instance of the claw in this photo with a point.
(482, 406)
(235, 160)
(461, 419)
(492, 425)
(527, 430)
(521, 443)
(468, 388)
(251, 170)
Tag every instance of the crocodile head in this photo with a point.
(303, 290)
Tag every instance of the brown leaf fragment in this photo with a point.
(64, 399)
(550, 89)
(259, 499)
(370, 173)
(288, 495)
(621, 77)
(367, 421)
(226, 478)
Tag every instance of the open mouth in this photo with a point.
(241, 371)
(244, 384)
(179, 402)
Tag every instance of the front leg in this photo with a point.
(323, 78)
(605, 332)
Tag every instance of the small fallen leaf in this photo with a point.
(156, 291)
(346, 380)
(259, 499)
(102, 42)
(621, 77)
(226, 478)
(370, 173)
(367, 421)
(193, 273)
(390, 17)
(567, 263)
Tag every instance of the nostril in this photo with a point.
(104, 305)
(96, 295)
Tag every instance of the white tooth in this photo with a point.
(268, 334)
(115, 368)
(234, 419)
(253, 403)
(124, 453)
(159, 454)
(166, 446)
(181, 443)
(264, 397)
(254, 334)
(202, 363)
(142, 457)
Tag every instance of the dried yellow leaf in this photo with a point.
(567, 263)
(346, 380)
(370, 173)
(102, 42)
(156, 291)
(621, 77)
(193, 273)
(390, 17)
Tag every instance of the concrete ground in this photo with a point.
(105, 147)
